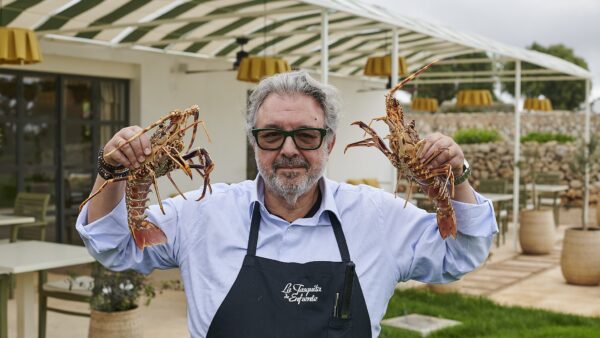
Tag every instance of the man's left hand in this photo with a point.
(449, 152)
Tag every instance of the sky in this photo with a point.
(574, 23)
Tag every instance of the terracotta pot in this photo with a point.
(580, 257)
(537, 231)
(122, 324)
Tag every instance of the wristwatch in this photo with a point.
(465, 175)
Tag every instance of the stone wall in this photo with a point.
(495, 160)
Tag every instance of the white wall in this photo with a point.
(158, 85)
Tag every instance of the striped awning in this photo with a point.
(286, 28)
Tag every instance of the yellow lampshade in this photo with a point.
(18, 46)
(473, 97)
(254, 68)
(382, 66)
(537, 104)
(424, 104)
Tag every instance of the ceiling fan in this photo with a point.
(241, 41)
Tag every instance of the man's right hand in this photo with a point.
(131, 154)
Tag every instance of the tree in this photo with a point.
(567, 95)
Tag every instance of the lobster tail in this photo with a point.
(147, 234)
(446, 220)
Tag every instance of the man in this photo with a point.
(291, 254)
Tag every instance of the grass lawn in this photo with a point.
(482, 318)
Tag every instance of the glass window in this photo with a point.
(8, 144)
(92, 110)
(40, 96)
(78, 99)
(38, 144)
(8, 189)
(8, 95)
(78, 145)
(40, 181)
(112, 101)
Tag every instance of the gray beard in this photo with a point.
(290, 192)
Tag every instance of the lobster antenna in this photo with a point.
(412, 76)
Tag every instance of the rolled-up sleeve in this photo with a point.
(109, 240)
(420, 252)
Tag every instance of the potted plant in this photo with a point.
(115, 303)
(580, 257)
(536, 226)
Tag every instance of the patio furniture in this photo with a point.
(24, 259)
(30, 204)
(549, 198)
(77, 290)
(497, 186)
(4, 286)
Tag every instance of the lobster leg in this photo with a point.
(175, 185)
(100, 189)
(205, 167)
(196, 114)
(376, 141)
(409, 192)
(157, 193)
(182, 164)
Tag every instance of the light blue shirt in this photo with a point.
(207, 240)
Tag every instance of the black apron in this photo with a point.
(272, 299)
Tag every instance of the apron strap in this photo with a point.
(335, 224)
(339, 237)
(253, 240)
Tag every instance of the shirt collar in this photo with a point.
(328, 189)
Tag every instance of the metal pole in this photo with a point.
(393, 82)
(586, 184)
(517, 154)
(325, 46)
(394, 56)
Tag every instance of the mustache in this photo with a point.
(288, 162)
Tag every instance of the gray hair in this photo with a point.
(297, 82)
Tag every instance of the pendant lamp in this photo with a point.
(254, 68)
(18, 46)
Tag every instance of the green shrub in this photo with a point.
(547, 137)
(118, 291)
(475, 135)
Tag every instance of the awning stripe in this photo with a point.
(183, 30)
(14, 9)
(173, 13)
(60, 19)
(195, 47)
(113, 16)
(267, 29)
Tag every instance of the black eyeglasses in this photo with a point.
(304, 138)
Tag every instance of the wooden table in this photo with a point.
(12, 219)
(24, 259)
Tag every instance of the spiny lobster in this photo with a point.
(437, 183)
(165, 156)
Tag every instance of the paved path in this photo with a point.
(494, 277)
